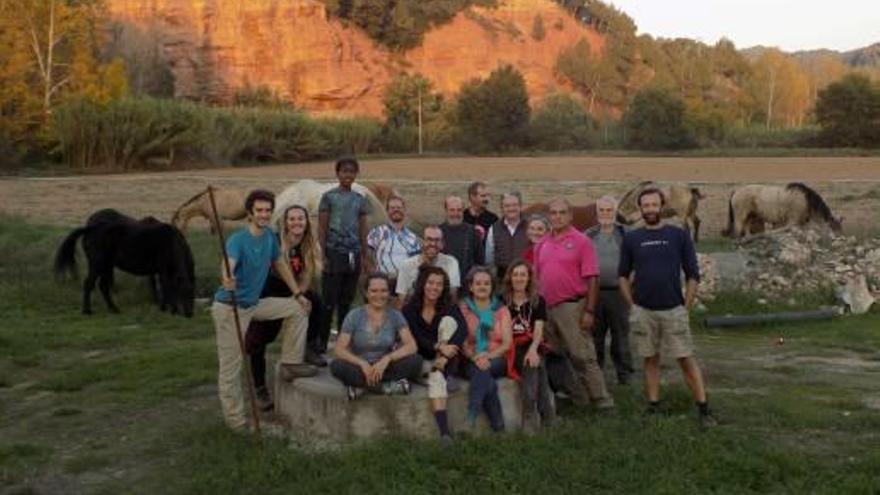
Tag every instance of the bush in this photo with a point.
(849, 112)
(655, 121)
(562, 123)
(356, 135)
(494, 114)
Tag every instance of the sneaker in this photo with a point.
(604, 404)
(299, 370)
(398, 387)
(264, 399)
(531, 424)
(315, 358)
(353, 392)
(446, 441)
(653, 411)
(707, 420)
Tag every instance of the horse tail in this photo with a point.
(65, 258)
(176, 217)
(816, 206)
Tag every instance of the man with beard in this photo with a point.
(431, 255)
(658, 253)
(460, 239)
(392, 243)
(478, 214)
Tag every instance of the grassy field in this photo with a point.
(127, 404)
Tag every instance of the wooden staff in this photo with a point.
(244, 358)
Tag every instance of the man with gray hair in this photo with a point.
(507, 238)
(612, 312)
(460, 239)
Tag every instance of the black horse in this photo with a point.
(145, 247)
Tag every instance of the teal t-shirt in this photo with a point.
(253, 259)
(372, 345)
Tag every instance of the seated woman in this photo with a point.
(489, 338)
(439, 330)
(300, 245)
(375, 349)
(525, 358)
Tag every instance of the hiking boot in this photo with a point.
(298, 370)
(315, 358)
(707, 420)
(264, 399)
(623, 380)
(398, 387)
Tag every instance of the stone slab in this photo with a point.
(318, 408)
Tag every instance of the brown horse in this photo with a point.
(751, 207)
(582, 217)
(230, 206)
(681, 203)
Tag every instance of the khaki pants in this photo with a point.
(667, 330)
(564, 333)
(293, 340)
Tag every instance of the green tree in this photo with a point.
(562, 123)
(849, 112)
(494, 114)
(655, 120)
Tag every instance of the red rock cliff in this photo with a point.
(215, 47)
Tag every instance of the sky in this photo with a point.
(789, 25)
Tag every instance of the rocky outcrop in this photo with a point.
(216, 47)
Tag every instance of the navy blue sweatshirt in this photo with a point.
(658, 257)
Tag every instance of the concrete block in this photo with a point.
(317, 408)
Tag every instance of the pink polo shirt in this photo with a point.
(562, 263)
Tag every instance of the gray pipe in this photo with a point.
(731, 321)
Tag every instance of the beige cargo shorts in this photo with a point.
(653, 330)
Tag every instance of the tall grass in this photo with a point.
(138, 133)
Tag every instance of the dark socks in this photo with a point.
(442, 422)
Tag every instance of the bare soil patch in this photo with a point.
(851, 185)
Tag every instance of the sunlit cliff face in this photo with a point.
(292, 47)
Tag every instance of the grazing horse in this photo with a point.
(681, 202)
(582, 217)
(144, 247)
(751, 207)
(230, 206)
(307, 193)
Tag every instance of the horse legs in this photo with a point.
(154, 291)
(696, 221)
(105, 283)
(88, 287)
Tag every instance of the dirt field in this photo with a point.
(851, 185)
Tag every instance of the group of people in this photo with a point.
(477, 297)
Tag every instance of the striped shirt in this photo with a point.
(392, 247)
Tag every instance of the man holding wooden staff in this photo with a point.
(251, 252)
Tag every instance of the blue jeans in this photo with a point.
(484, 392)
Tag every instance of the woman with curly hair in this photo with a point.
(439, 329)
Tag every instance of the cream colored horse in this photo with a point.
(230, 206)
(681, 202)
(751, 207)
(308, 193)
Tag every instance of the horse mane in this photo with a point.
(815, 204)
(186, 203)
(620, 218)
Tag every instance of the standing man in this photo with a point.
(392, 243)
(251, 252)
(431, 255)
(342, 230)
(507, 238)
(567, 271)
(477, 213)
(612, 311)
(658, 254)
(460, 239)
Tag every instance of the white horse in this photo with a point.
(308, 193)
